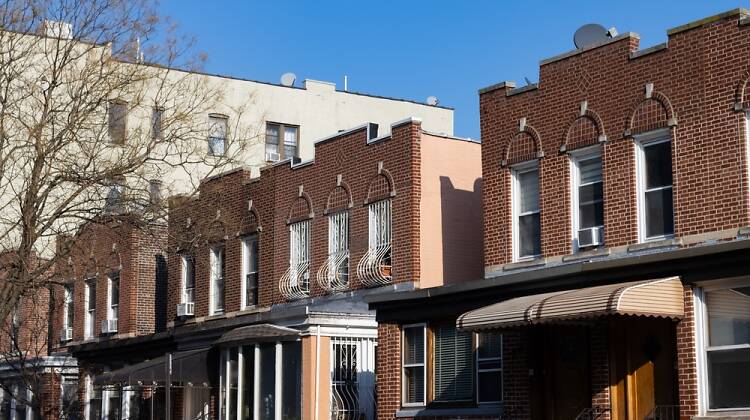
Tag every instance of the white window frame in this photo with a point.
(701, 339)
(88, 392)
(747, 155)
(246, 251)
(89, 319)
(68, 304)
(404, 366)
(184, 264)
(111, 307)
(299, 250)
(650, 138)
(216, 265)
(213, 120)
(516, 170)
(477, 371)
(576, 157)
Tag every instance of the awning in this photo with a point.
(187, 367)
(656, 298)
(258, 334)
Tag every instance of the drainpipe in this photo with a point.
(317, 371)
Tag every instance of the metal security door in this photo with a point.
(352, 378)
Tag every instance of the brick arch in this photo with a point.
(250, 222)
(340, 198)
(524, 145)
(66, 271)
(301, 208)
(587, 129)
(216, 230)
(742, 93)
(651, 113)
(114, 262)
(381, 186)
(91, 268)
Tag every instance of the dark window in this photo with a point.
(657, 159)
(156, 123)
(251, 267)
(489, 368)
(217, 135)
(117, 113)
(414, 365)
(291, 380)
(282, 139)
(453, 364)
(529, 227)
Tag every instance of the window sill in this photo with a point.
(587, 254)
(724, 415)
(655, 244)
(534, 262)
(490, 410)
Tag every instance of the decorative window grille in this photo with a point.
(295, 283)
(374, 269)
(334, 273)
(352, 378)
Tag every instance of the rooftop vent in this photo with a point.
(592, 33)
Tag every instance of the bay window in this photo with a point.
(217, 280)
(655, 206)
(527, 242)
(726, 342)
(587, 198)
(250, 271)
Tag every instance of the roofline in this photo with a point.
(620, 37)
(548, 273)
(707, 20)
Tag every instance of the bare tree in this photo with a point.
(98, 105)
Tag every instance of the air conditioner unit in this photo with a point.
(66, 334)
(109, 326)
(273, 157)
(185, 309)
(590, 237)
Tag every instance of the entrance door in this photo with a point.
(642, 376)
(562, 377)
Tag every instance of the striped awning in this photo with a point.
(656, 298)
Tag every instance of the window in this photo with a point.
(90, 316)
(453, 373)
(588, 199)
(93, 400)
(217, 135)
(69, 398)
(338, 250)
(68, 312)
(250, 270)
(413, 361)
(282, 139)
(117, 113)
(654, 160)
(113, 298)
(217, 280)
(115, 192)
(526, 223)
(154, 191)
(299, 255)
(489, 368)
(727, 346)
(188, 278)
(157, 114)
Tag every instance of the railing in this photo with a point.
(374, 269)
(333, 275)
(295, 283)
(664, 412)
(591, 413)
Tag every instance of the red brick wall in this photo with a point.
(388, 370)
(695, 81)
(687, 369)
(220, 215)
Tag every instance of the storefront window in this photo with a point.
(728, 347)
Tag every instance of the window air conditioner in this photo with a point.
(590, 237)
(185, 309)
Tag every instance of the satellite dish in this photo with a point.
(288, 79)
(432, 100)
(589, 34)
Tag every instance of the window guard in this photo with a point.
(329, 274)
(295, 283)
(371, 269)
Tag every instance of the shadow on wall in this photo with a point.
(463, 239)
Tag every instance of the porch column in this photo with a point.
(316, 358)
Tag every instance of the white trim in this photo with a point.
(423, 325)
(217, 264)
(184, 264)
(110, 309)
(641, 141)
(515, 171)
(246, 241)
(576, 157)
(89, 315)
(747, 157)
(256, 381)
(277, 383)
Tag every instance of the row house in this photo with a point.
(261, 313)
(616, 245)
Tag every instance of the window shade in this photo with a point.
(453, 364)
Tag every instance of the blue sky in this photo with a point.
(412, 49)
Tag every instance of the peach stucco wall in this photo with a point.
(451, 247)
(309, 360)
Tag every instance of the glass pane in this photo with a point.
(659, 217)
(233, 382)
(590, 192)
(489, 345)
(728, 316)
(114, 405)
(414, 345)
(490, 387)
(528, 183)
(272, 148)
(453, 365)
(728, 373)
(216, 146)
(414, 383)
(590, 170)
(272, 134)
(248, 382)
(290, 151)
(267, 381)
(658, 164)
(189, 272)
(291, 380)
(529, 235)
(591, 215)
(115, 298)
(290, 136)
